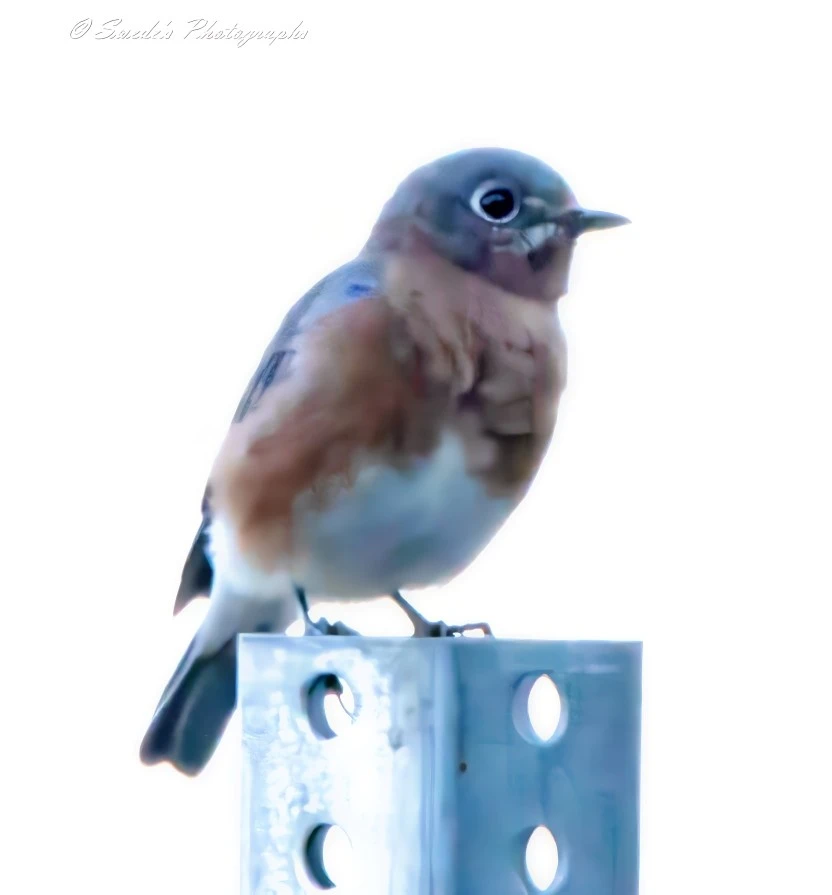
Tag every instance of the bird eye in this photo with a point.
(495, 202)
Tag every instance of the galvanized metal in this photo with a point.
(439, 781)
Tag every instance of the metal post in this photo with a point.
(438, 777)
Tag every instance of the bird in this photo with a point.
(395, 421)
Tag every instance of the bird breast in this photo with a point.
(393, 528)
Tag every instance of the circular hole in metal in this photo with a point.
(541, 858)
(331, 705)
(537, 709)
(544, 707)
(329, 856)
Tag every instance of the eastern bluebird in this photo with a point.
(395, 421)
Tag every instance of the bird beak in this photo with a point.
(581, 220)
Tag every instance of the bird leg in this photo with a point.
(423, 628)
(322, 626)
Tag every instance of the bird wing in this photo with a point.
(354, 281)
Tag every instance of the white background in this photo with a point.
(164, 203)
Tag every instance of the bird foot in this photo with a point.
(440, 629)
(423, 628)
(322, 627)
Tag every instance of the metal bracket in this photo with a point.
(438, 778)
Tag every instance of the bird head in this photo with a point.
(497, 213)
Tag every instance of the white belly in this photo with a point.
(396, 528)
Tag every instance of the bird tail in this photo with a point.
(194, 710)
(199, 699)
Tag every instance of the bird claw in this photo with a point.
(322, 627)
(440, 629)
(423, 628)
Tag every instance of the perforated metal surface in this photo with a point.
(439, 781)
